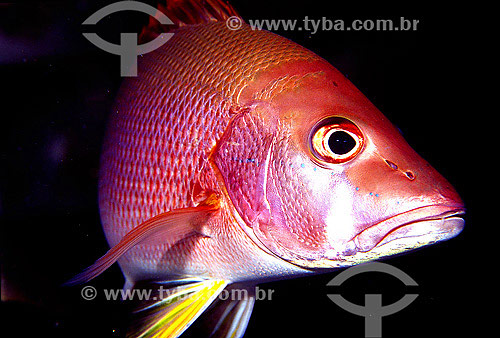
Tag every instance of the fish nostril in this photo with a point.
(410, 175)
(392, 165)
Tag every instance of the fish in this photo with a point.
(238, 157)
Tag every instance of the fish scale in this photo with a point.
(177, 100)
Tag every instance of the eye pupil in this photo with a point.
(341, 142)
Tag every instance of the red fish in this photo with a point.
(238, 156)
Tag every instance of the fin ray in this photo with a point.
(235, 317)
(187, 12)
(170, 316)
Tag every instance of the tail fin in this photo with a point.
(187, 12)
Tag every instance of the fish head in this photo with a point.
(336, 184)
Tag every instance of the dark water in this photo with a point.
(58, 92)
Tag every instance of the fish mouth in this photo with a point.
(394, 235)
(406, 231)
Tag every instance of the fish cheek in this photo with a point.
(296, 191)
(261, 174)
(296, 226)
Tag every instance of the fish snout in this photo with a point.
(415, 179)
(412, 205)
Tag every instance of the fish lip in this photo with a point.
(380, 233)
(427, 224)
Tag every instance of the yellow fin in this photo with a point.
(177, 309)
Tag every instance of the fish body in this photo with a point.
(159, 152)
(238, 156)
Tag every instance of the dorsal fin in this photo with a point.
(187, 12)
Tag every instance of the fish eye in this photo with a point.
(335, 140)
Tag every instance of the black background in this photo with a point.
(58, 90)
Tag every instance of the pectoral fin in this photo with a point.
(172, 226)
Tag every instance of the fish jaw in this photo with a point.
(435, 222)
(400, 233)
